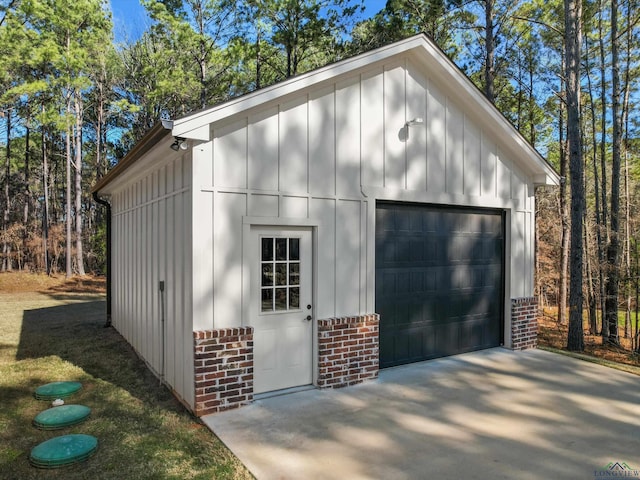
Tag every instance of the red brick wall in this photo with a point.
(223, 369)
(524, 323)
(347, 350)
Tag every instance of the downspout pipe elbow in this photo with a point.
(107, 205)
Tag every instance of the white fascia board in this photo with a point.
(198, 133)
(543, 179)
(194, 125)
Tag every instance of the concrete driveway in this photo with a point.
(485, 415)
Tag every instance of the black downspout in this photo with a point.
(108, 207)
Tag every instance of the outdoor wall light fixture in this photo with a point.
(179, 144)
(411, 123)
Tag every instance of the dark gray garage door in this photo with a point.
(439, 281)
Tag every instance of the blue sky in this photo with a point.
(130, 19)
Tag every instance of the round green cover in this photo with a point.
(54, 390)
(64, 450)
(60, 417)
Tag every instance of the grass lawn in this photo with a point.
(632, 323)
(143, 432)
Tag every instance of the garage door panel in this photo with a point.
(446, 339)
(471, 335)
(430, 221)
(416, 282)
(415, 313)
(431, 280)
(407, 281)
(408, 346)
(490, 248)
(403, 281)
(403, 221)
(462, 277)
(388, 280)
(387, 255)
(387, 350)
(491, 275)
(385, 219)
(416, 345)
(439, 281)
(401, 346)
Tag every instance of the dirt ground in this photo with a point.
(19, 282)
(551, 334)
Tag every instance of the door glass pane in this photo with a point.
(281, 273)
(267, 249)
(267, 274)
(294, 274)
(294, 249)
(281, 299)
(281, 248)
(294, 298)
(267, 299)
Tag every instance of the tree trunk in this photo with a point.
(602, 227)
(67, 207)
(591, 290)
(536, 257)
(69, 132)
(289, 61)
(532, 103)
(45, 212)
(489, 68)
(78, 184)
(258, 59)
(625, 144)
(27, 192)
(6, 248)
(99, 123)
(636, 345)
(596, 186)
(627, 252)
(519, 95)
(613, 248)
(573, 34)
(564, 222)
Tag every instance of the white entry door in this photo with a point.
(282, 309)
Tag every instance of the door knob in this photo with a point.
(309, 318)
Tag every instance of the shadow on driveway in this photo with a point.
(487, 415)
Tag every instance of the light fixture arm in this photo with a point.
(179, 143)
(414, 121)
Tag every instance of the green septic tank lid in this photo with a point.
(61, 417)
(54, 390)
(64, 450)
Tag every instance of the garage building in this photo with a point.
(371, 213)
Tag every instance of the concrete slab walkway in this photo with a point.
(494, 414)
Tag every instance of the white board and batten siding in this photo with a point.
(151, 226)
(322, 156)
